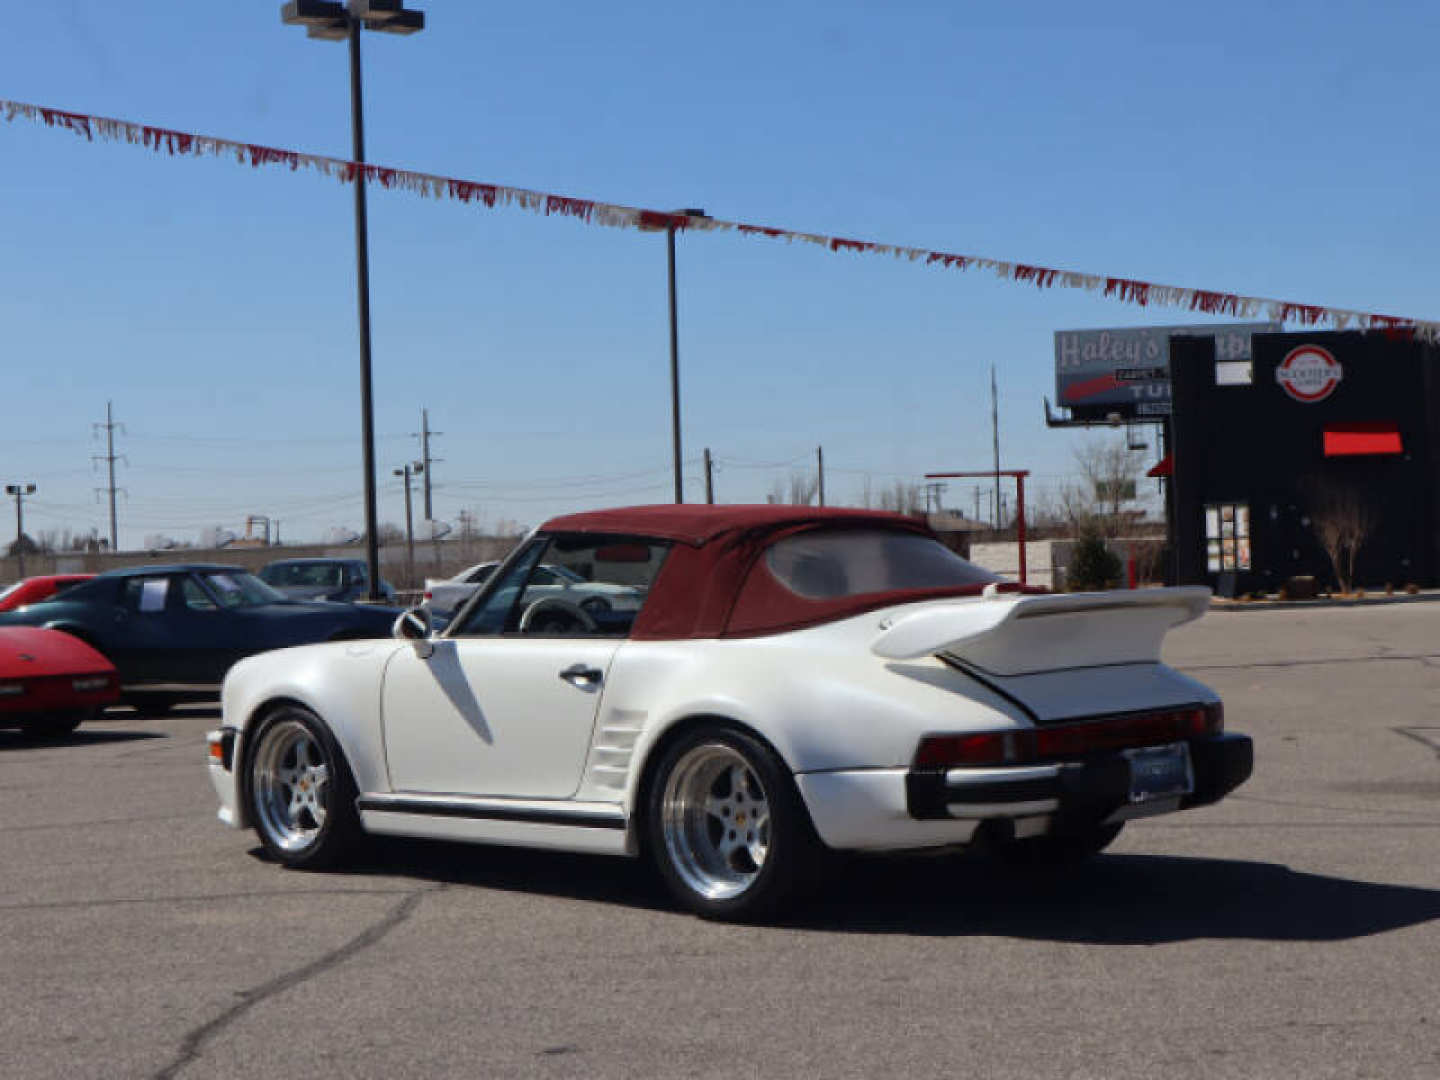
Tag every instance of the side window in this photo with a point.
(194, 596)
(146, 594)
(492, 615)
(588, 586)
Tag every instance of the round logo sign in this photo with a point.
(1309, 374)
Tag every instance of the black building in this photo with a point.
(1321, 427)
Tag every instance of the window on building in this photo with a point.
(1234, 373)
(1227, 537)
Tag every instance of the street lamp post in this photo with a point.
(407, 472)
(20, 491)
(330, 20)
(675, 351)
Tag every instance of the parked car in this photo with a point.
(50, 682)
(798, 679)
(32, 589)
(179, 628)
(445, 597)
(324, 579)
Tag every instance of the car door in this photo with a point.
(154, 641)
(505, 706)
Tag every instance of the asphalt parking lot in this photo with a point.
(1292, 931)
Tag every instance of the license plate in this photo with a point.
(1160, 772)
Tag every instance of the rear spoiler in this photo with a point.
(1011, 635)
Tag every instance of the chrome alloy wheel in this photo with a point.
(291, 783)
(715, 818)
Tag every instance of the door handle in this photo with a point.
(582, 676)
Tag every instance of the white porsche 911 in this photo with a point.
(796, 680)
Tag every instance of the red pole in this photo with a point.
(1020, 521)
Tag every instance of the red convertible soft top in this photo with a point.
(714, 583)
(699, 523)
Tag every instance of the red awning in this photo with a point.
(1164, 467)
(1346, 440)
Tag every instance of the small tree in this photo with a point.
(1342, 520)
(1092, 564)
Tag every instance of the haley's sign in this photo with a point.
(1126, 370)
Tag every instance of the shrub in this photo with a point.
(1092, 565)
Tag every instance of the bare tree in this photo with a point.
(1342, 519)
(1109, 480)
(903, 498)
(800, 490)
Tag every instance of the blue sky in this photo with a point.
(1273, 149)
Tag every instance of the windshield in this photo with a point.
(236, 589)
(321, 575)
(829, 563)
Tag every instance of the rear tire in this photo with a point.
(726, 827)
(300, 791)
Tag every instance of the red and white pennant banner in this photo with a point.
(1141, 293)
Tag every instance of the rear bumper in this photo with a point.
(1074, 792)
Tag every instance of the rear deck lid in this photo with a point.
(1009, 635)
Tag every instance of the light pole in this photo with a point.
(407, 472)
(330, 20)
(20, 491)
(675, 350)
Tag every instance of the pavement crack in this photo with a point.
(194, 1041)
(200, 898)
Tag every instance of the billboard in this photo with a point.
(1125, 371)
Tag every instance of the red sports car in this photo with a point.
(50, 681)
(34, 589)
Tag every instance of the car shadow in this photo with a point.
(1112, 899)
(16, 740)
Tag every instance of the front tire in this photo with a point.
(301, 791)
(726, 828)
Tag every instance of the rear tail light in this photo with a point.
(1072, 740)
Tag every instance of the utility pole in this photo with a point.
(977, 503)
(820, 464)
(109, 457)
(426, 459)
(20, 491)
(407, 472)
(709, 477)
(995, 432)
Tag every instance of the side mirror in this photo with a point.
(414, 626)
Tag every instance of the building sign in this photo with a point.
(1309, 374)
(1125, 372)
